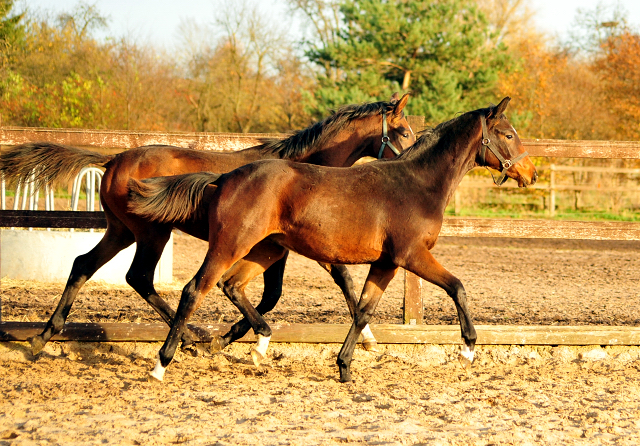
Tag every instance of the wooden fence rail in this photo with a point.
(462, 227)
(552, 186)
(117, 139)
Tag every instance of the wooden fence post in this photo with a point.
(552, 190)
(457, 202)
(416, 123)
(413, 309)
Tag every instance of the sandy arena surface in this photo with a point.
(86, 393)
(510, 282)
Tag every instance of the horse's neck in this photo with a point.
(252, 154)
(338, 153)
(445, 164)
(212, 161)
(341, 149)
(337, 149)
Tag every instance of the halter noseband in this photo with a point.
(506, 164)
(385, 138)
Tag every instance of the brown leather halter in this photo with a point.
(506, 164)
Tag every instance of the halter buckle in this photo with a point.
(485, 141)
(385, 139)
(507, 164)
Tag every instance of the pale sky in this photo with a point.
(157, 21)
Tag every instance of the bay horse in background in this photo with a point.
(384, 213)
(350, 133)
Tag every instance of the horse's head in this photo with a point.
(397, 134)
(501, 149)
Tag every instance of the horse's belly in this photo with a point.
(329, 248)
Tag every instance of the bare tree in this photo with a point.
(233, 83)
(509, 18)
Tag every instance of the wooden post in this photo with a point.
(552, 191)
(416, 123)
(1, 277)
(457, 202)
(413, 309)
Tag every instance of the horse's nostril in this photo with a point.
(535, 177)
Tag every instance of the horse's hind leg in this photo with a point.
(427, 267)
(236, 280)
(141, 273)
(379, 277)
(116, 238)
(342, 278)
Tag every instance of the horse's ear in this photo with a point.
(397, 109)
(498, 110)
(395, 97)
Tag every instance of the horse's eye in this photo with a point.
(406, 135)
(509, 136)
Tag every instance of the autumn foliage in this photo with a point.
(244, 76)
(619, 70)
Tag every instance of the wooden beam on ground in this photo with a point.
(336, 333)
(511, 228)
(53, 219)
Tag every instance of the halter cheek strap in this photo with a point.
(385, 138)
(506, 164)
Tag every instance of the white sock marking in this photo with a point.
(158, 371)
(262, 344)
(367, 336)
(467, 352)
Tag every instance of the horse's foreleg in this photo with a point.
(377, 281)
(84, 267)
(238, 278)
(342, 278)
(427, 267)
(141, 273)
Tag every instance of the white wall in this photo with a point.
(47, 256)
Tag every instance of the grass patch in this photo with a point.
(561, 214)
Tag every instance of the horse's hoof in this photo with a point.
(192, 349)
(370, 346)
(464, 362)
(216, 345)
(37, 344)
(345, 377)
(153, 378)
(257, 357)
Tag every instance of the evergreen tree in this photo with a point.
(11, 31)
(442, 50)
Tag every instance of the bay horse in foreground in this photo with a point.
(384, 213)
(352, 132)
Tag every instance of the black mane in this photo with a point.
(429, 138)
(305, 141)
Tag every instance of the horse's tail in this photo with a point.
(47, 162)
(169, 199)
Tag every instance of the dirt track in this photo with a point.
(98, 393)
(513, 282)
(92, 394)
